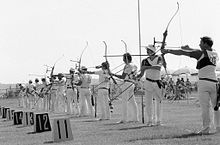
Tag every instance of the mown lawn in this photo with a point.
(180, 122)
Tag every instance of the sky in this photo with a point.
(36, 33)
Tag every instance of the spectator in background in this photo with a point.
(182, 82)
(188, 86)
(183, 87)
(178, 81)
(171, 84)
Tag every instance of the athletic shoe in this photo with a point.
(149, 124)
(204, 131)
(101, 119)
(121, 121)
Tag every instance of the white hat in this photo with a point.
(72, 69)
(151, 47)
(83, 68)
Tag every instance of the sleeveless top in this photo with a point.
(152, 73)
(206, 63)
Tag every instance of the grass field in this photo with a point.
(180, 122)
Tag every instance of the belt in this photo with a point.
(103, 88)
(84, 87)
(159, 82)
(207, 79)
(151, 80)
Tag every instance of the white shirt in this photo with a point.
(69, 79)
(103, 78)
(130, 69)
(86, 80)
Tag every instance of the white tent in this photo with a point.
(163, 72)
(218, 67)
(185, 70)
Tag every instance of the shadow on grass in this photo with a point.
(57, 142)
(116, 122)
(133, 128)
(92, 120)
(140, 127)
(34, 132)
(49, 142)
(155, 137)
(109, 124)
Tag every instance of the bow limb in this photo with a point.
(164, 38)
(105, 51)
(52, 70)
(51, 80)
(51, 75)
(106, 48)
(173, 16)
(126, 49)
(80, 59)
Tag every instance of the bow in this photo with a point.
(164, 39)
(52, 76)
(108, 64)
(126, 48)
(41, 94)
(80, 59)
(72, 79)
(51, 82)
(111, 77)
